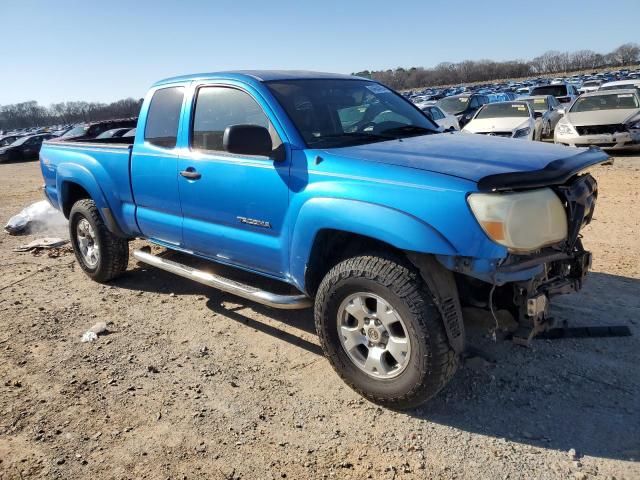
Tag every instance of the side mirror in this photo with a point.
(561, 111)
(247, 140)
(537, 114)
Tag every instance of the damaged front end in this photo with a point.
(564, 273)
(523, 284)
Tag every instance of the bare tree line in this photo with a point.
(487, 70)
(30, 114)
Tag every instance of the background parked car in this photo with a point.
(504, 119)
(92, 130)
(620, 84)
(463, 106)
(442, 118)
(564, 92)
(546, 111)
(590, 86)
(608, 119)
(24, 148)
(114, 133)
(8, 140)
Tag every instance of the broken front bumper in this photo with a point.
(619, 140)
(523, 284)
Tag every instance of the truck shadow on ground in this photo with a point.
(566, 394)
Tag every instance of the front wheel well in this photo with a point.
(331, 247)
(71, 193)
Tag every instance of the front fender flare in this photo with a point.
(385, 224)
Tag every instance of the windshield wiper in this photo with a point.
(356, 136)
(410, 130)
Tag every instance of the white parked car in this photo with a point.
(504, 119)
(442, 118)
(620, 84)
(590, 86)
(608, 119)
(421, 101)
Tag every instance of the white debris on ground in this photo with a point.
(37, 217)
(91, 335)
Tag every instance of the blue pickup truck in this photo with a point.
(347, 194)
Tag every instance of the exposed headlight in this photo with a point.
(565, 129)
(635, 125)
(522, 222)
(521, 132)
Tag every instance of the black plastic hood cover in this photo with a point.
(556, 172)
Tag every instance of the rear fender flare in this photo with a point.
(70, 174)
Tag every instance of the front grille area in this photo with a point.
(600, 129)
(497, 134)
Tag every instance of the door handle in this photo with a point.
(191, 174)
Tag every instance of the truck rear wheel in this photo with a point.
(102, 255)
(381, 331)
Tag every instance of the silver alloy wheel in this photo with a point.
(373, 335)
(87, 243)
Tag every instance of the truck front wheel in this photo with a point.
(102, 255)
(381, 331)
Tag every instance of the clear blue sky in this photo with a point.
(55, 50)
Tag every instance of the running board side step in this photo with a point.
(285, 302)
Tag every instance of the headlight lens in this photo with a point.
(522, 222)
(565, 129)
(521, 132)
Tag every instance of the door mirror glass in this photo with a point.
(537, 114)
(247, 140)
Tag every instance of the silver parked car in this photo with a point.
(607, 119)
(547, 113)
(442, 118)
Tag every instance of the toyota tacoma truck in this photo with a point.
(341, 190)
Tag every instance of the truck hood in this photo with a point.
(601, 117)
(475, 157)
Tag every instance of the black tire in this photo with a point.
(432, 362)
(114, 251)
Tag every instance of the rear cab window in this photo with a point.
(163, 117)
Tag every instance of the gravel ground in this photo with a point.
(193, 383)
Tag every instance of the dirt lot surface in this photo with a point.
(193, 383)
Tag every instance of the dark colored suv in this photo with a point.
(564, 92)
(463, 106)
(93, 129)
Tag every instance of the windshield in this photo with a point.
(537, 104)
(503, 109)
(454, 105)
(76, 132)
(620, 101)
(338, 113)
(553, 90)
